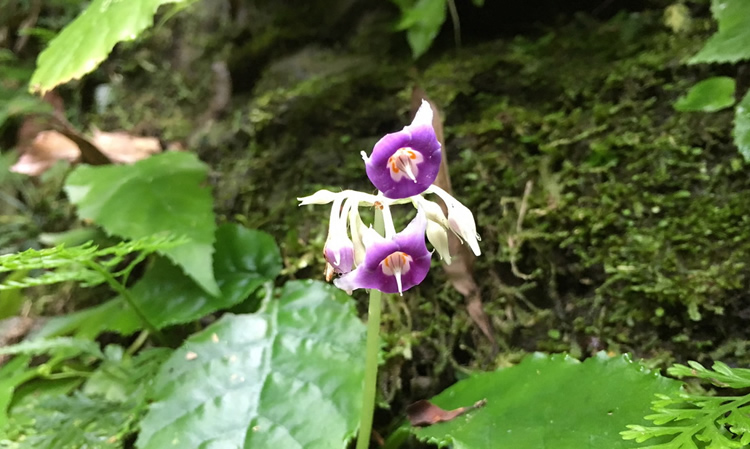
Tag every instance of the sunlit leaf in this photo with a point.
(161, 194)
(731, 43)
(287, 377)
(709, 95)
(549, 402)
(85, 43)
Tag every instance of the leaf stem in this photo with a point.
(371, 357)
(119, 288)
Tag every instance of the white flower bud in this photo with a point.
(438, 237)
(461, 222)
(433, 211)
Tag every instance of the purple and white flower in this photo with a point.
(392, 265)
(403, 166)
(406, 163)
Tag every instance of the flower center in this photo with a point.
(396, 264)
(404, 162)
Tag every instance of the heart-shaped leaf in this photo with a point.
(161, 194)
(550, 402)
(289, 376)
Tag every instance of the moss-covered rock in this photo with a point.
(634, 235)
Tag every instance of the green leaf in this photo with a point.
(741, 130)
(85, 43)
(731, 43)
(422, 23)
(62, 346)
(245, 259)
(112, 316)
(549, 402)
(287, 377)
(713, 94)
(161, 194)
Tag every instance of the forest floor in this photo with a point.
(609, 221)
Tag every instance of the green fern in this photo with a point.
(694, 421)
(86, 263)
(95, 417)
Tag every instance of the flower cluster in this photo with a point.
(403, 166)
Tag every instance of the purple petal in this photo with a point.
(370, 274)
(339, 252)
(418, 136)
(411, 239)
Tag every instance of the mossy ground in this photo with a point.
(635, 236)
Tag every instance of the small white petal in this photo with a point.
(320, 197)
(461, 221)
(438, 237)
(433, 211)
(423, 115)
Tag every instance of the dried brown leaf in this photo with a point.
(424, 413)
(124, 148)
(41, 153)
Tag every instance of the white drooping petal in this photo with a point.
(438, 238)
(460, 219)
(433, 211)
(357, 228)
(423, 115)
(461, 222)
(320, 197)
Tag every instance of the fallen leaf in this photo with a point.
(424, 413)
(123, 148)
(41, 153)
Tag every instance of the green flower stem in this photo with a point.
(371, 369)
(371, 356)
(119, 288)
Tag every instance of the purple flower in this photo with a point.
(391, 265)
(406, 163)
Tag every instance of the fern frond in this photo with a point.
(721, 375)
(691, 421)
(73, 264)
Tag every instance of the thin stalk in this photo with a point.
(119, 288)
(371, 357)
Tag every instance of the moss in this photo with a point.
(635, 236)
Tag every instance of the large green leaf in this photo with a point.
(741, 131)
(550, 402)
(731, 43)
(161, 194)
(85, 43)
(245, 259)
(287, 377)
(709, 95)
(422, 23)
